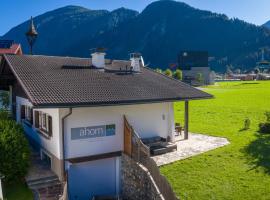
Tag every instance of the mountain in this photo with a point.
(267, 24)
(159, 32)
(62, 28)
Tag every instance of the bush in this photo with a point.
(4, 99)
(4, 115)
(14, 151)
(158, 70)
(264, 127)
(267, 115)
(178, 74)
(168, 72)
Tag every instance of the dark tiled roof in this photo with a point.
(47, 83)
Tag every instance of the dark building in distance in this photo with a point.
(194, 65)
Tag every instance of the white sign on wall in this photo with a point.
(92, 132)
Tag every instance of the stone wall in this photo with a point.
(137, 183)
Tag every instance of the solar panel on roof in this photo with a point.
(6, 44)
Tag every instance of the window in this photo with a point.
(43, 122)
(27, 114)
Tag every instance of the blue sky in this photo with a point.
(14, 12)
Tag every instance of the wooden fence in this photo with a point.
(141, 153)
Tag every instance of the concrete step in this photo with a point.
(45, 185)
(40, 180)
(43, 182)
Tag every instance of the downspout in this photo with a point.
(63, 140)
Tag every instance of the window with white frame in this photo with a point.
(43, 122)
(28, 113)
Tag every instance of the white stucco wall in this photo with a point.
(147, 119)
(52, 145)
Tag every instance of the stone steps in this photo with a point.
(43, 182)
(50, 193)
(47, 188)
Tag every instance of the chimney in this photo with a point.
(98, 58)
(136, 59)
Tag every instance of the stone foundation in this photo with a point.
(49, 193)
(137, 183)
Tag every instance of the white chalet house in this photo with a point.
(72, 110)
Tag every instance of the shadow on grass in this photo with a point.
(243, 129)
(259, 152)
(250, 83)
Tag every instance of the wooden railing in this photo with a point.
(141, 153)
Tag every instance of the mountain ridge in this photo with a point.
(159, 32)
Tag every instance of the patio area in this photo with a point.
(196, 144)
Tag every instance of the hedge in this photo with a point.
(14, 150)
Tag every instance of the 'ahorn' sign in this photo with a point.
(92, 132)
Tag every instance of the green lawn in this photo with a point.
(17, 191)
(238, 171)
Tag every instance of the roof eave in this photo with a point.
(100, 104)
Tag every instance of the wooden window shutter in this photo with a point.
(31, 116)
(37, 119)
(22, 111)
(50, 126)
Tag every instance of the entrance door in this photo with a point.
(92, 178)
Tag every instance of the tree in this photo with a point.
(200, 78)
(238, 71)
(158, 70)
(229, 69)
(257, 70)
(4, 99)
(178, 74)
(14, 150)
(168, 72)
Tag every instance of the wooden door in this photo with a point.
(127, 138)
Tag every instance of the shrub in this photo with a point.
(178, 74)
(267, 115)
(158, 70)
(4, 115)
(200, 78)
(4, 99)
(264, 127)
(14, 151)
(168, 72)
(247, 124)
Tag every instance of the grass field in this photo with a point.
(238, 171)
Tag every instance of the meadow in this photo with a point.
(237, 171)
